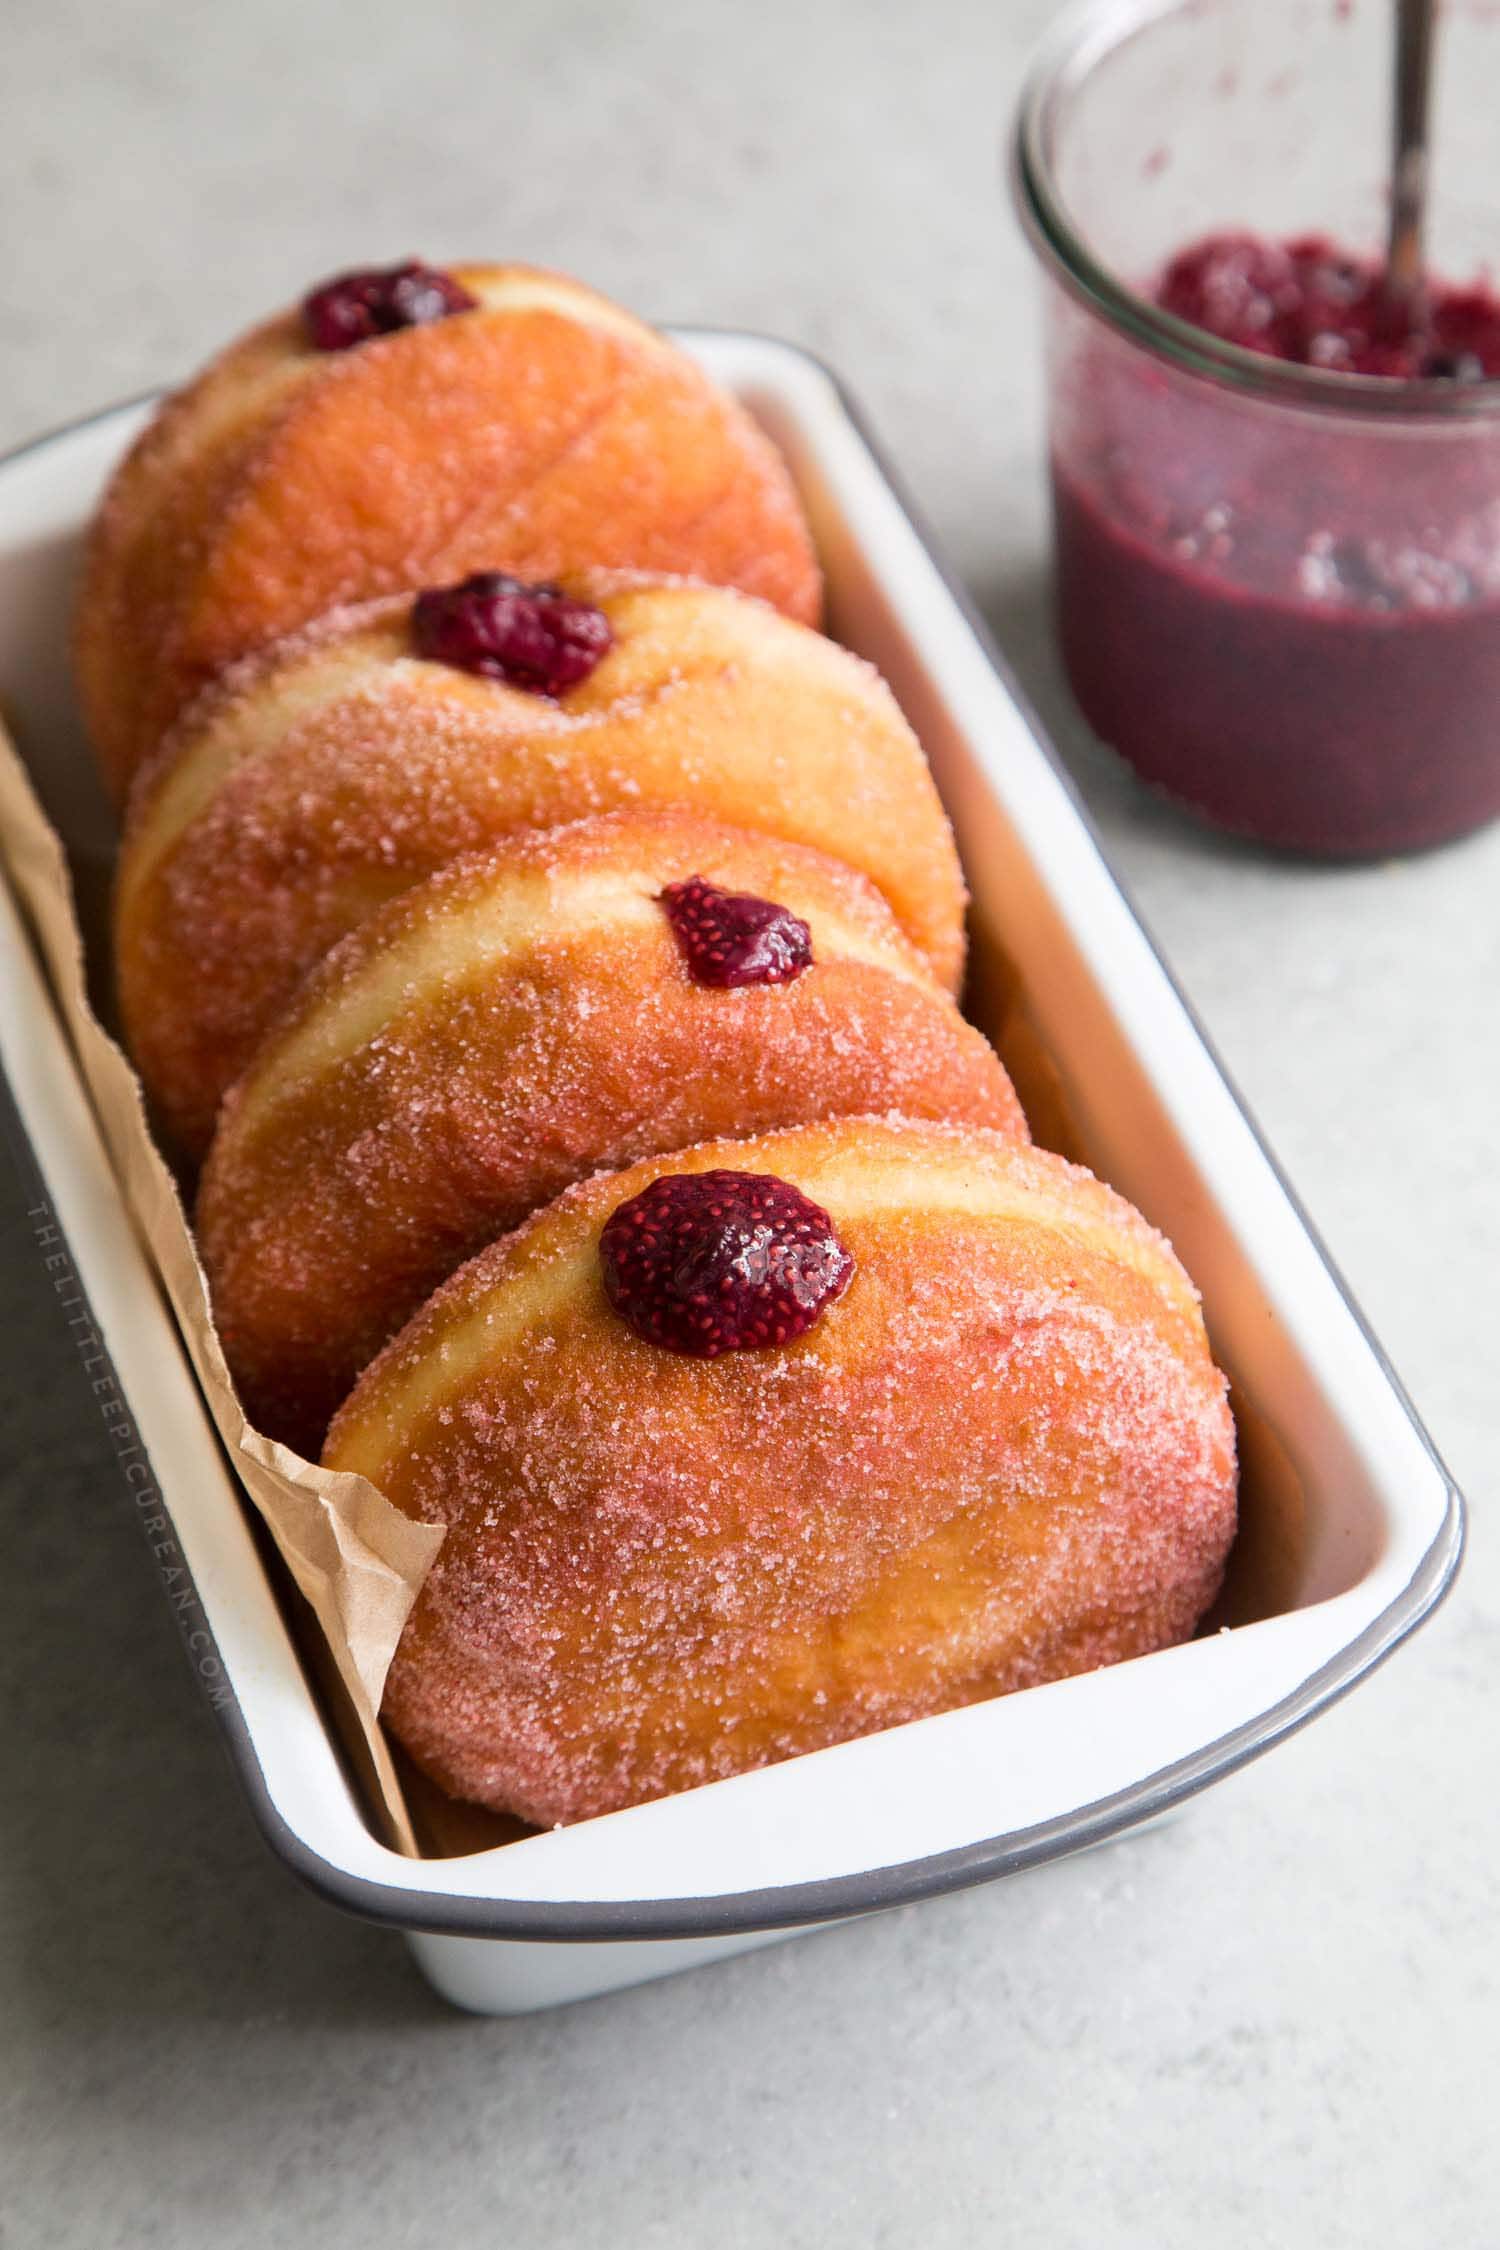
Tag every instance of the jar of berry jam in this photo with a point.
(1277, 501)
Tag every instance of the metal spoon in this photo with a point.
(1404, 286)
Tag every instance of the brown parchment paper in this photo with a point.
(357, 1561)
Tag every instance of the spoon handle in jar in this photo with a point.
(1415, 24)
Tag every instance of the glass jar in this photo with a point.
(1278, 586)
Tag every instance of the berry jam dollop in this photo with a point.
(730, 938)
(1314, 304)
(377, 300)
(704, 1263)
(532, 637)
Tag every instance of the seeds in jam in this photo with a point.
(730, 938)
(703, 1263)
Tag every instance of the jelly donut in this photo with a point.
(564, 1004)
(769, 1443)
(333, 773)
(403, 428)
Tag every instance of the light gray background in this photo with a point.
(1270, 2024)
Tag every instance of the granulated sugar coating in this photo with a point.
(312, 786)
(542, 431)
(520, 1020)
(1002, 1455)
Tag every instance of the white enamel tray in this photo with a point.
(1352, 1529)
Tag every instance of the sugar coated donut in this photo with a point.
(565, 1003)
(331, 774)
(398, 430)
(769, 1443)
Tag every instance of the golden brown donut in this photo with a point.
(1001, 1455)
(523, 1019)
(543, 430)
(332, 774)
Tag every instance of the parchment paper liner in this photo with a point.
(358, 1562)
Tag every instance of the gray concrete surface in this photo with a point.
(1272, 2023)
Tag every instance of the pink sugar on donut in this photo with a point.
(1002, 1455)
